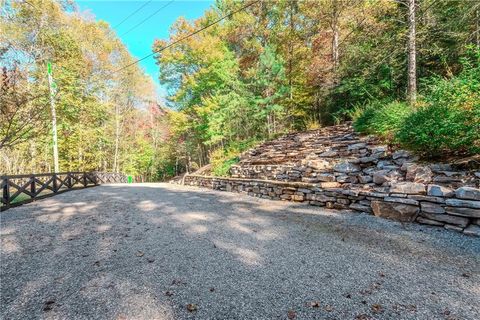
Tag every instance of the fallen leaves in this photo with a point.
(315, 304)
(192, 307)
(139, 253)
(291, 314)
(377, 308)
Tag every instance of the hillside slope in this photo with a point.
(336, 168)
(341, 157)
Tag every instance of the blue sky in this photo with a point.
(139, 40)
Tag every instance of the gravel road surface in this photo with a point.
(160, 251)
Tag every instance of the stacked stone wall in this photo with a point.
(337, 168)
(457, 210)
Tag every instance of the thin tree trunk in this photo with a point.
(477, 27)
(117, 140)
(335, 37)
(335, 54)
(412, 54)
(290, 52)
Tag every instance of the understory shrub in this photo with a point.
(450, 121)
(446, 121)
(223, 159)
(221, 162)
(440, 130)
(382, 119)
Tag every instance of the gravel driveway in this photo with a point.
(147, 251)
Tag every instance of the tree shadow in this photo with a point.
(145, 251)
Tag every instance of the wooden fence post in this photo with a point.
(6, 192)
(84, 179)
(55, 190)
(32, 187)
(69, 180)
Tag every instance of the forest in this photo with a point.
(407, 71)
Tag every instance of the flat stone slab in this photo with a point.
(146, 251)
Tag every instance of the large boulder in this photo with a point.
(395, 211)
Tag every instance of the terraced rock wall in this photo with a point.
(457, 210)
(337, 168)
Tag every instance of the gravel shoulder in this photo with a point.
(146, 251)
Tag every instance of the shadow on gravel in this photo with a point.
(146, 251)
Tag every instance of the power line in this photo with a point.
(131, 14)
(141, 22)
(189, 35)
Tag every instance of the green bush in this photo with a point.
(445, 122)
(439, 130)
(222, 168)
(450, 121)
(223, 159)
(382, 119)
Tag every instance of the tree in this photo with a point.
(412, 53)
(22, 113)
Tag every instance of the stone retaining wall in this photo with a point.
(338, 154)
(432, 204)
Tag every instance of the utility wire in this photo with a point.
(188, 36)
(131, 14)
(141, 22)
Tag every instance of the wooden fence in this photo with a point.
(20, 189)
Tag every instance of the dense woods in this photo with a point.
(274, 67)
(104, 118)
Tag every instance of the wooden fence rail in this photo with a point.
(20, 189)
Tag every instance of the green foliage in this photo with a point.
(222, 159)
(439, 130)
(450, 121)
(221, 162)
(383, 119)
(262, 72)
(98, 123)
(446, 121)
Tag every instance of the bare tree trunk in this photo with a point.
(335, 36)
(335, 54)
(54, 121)
(477, 27)
(412, 54)
(290, 52)
(117, 139)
